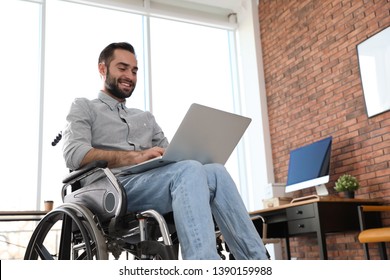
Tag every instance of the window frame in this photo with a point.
(245, 41)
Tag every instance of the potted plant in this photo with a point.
(348, 184)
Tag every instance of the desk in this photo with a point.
(14, 216)
(319, 215)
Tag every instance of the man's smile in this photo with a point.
(126, 84)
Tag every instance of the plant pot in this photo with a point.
(349, 194)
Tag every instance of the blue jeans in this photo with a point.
(195, 193)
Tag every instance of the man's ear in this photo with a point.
(102, 69)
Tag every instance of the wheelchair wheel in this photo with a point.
(68, 232)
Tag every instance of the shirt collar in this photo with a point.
(111, 102)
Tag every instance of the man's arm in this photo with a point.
(121, 158)
(78, 147)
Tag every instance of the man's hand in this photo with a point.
(122, 158)
(145, 155)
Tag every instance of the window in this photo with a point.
(20, 113)
(194, 67)
(71, 55)
(58, 43)
(50, 51)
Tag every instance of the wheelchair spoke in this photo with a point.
(43, 253)
(77, 237)
(84, 255)
(65, 240)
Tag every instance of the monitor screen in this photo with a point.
(309, 166)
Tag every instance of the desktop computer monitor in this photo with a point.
(309, 167)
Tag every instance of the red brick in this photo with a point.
(314, 90)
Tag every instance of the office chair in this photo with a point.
(368, 234)
(261, 224)
(262, 227)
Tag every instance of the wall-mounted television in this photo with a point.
(374, 67)
(309, 166)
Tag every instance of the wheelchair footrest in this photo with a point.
(155, 248)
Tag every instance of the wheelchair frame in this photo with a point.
(95, 223)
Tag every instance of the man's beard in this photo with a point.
(112, 87)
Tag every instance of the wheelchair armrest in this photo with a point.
(102, 193)
(89, 167)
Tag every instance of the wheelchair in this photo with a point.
(94, 223)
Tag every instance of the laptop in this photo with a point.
(205, 134)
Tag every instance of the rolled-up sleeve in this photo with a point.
(77, 135)
(106, 124)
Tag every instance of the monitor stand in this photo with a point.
(321, 191)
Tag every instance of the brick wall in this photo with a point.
(314, 91)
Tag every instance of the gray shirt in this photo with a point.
(104, 123)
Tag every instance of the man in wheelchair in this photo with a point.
(105, 129)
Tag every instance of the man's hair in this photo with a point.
(107, 55)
